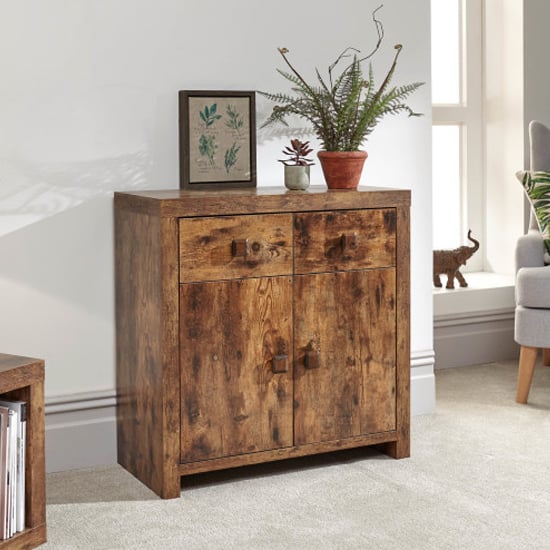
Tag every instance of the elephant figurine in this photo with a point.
(448, 262)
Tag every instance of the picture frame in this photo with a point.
(217, 139)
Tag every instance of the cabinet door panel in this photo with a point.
(236, 367)
(344, 354)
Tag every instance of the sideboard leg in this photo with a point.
(398, 449)
(171, 488)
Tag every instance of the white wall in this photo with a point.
(88, 105)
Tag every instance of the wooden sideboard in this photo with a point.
(257, 325)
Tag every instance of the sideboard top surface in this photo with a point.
(185, 203)
(17, 371)
(8, 362)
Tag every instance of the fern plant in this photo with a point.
(343, 110)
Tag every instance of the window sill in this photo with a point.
(486, 293)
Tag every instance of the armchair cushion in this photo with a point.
(530, 250)
(533, 287)
(532, 327)
(537, 187)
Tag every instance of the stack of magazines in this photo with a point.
(13, 427)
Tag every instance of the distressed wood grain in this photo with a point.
(146, 303)
(259, 324)
(178, 203)
(348, 318)
(232, 401)
(331, 241)
(400, 448)
(230, 247)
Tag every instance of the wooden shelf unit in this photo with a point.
(22, 378)
(259, 324)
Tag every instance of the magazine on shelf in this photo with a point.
(18, 440)
(8, 483)
(12, 454)
(3, 472)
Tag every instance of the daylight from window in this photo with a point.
(445, 51)
(446, 190)
(447, 170)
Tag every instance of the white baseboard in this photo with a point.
(422, 382)
(474, 338)
(81, 428)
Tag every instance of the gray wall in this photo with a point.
(536, 84)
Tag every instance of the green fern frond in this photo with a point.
(324, 86)
(345, 113)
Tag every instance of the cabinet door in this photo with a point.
(236, 367)
(345, 369)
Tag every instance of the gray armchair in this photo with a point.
(532, 320)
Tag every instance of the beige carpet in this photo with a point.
(478, 478)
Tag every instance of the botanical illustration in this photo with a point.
(234, 119)
(209, 115)
(231, 156)
(207, 147)
(219, 139)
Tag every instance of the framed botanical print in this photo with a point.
(217, 139)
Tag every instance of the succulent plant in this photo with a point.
(297, 153)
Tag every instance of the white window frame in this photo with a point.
(468, 115)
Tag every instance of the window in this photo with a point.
(457, 123)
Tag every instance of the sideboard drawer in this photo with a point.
(341, 241)
(235, 247)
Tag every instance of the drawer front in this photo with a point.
(344, 240)
(235, 247)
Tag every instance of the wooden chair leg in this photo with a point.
(546, 357)
(527, 360)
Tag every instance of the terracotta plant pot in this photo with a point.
(342, 169)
